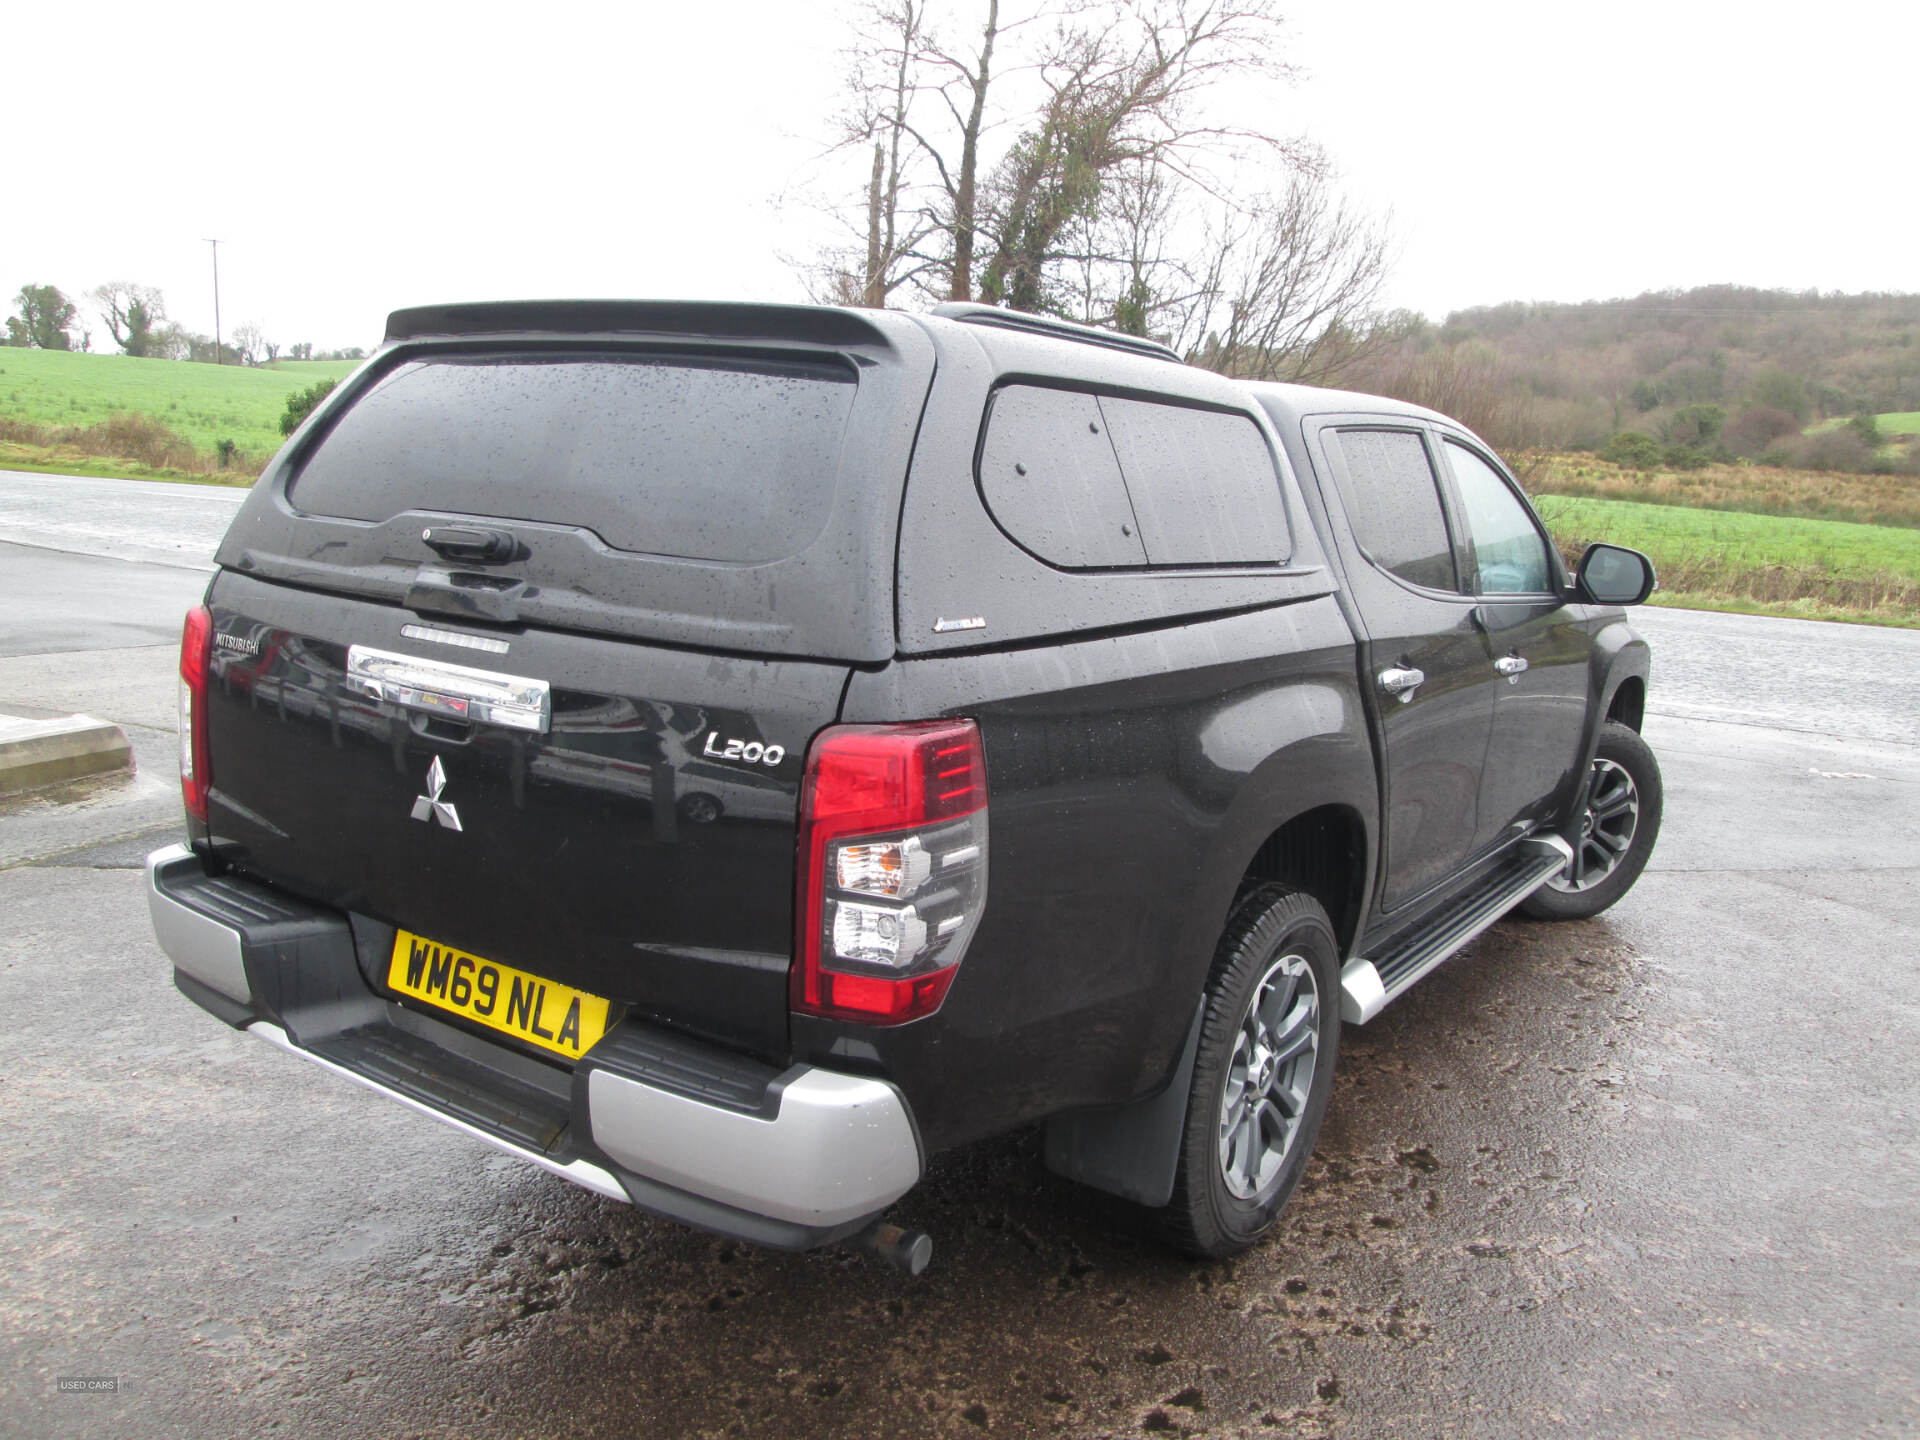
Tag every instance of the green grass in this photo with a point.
(1761, 564)
(201, 403)
(1752, 540)
(1894, 422)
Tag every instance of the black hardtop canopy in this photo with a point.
(1292, 403)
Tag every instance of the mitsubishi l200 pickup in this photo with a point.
(727, 754)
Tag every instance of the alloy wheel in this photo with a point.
(1269, 1078)
(1606, 830)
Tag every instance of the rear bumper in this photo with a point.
(791, 1158)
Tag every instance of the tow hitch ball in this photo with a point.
(907, 1251)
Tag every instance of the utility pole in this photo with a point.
(218, 354)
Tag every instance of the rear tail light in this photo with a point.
(893, 868)
(196, 654)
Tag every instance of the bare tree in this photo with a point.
(970, 76)
(249, 342)
(1064, 156)
(1288, 288)
(1469, 380)
(1124, 90)
(131, 312)
(885, 88)
(916, 111)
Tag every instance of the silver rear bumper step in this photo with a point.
(787, 1158)
(1368, 984)
(592, 1177)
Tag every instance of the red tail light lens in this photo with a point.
(196, 656)
(893, 868)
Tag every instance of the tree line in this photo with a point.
(135, 316)
(1676, 377)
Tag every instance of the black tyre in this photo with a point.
(1617, 832)
(1262, 1072)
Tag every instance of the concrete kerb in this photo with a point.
(39, 749)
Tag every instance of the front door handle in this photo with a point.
(1402, 683)
(1511, 666)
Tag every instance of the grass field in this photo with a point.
(1754, 489)
(1761, 564)
(202, 404)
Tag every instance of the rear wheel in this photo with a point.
(1617, 831)
(1262, 1073)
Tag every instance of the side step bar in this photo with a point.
(1369, 983)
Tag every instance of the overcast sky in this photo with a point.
(354, 158)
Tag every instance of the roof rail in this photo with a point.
(973, 313)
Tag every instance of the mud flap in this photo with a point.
(1129, 1150)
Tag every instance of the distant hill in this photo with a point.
(1725, 369)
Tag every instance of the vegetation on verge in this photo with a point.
(1760, 564)
(300, 404)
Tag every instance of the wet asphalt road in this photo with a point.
(1652, 1174)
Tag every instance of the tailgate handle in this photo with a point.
(459, 542)
(453, 692)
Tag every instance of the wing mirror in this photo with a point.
(1614, 575)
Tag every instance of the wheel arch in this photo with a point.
(1303, 818)
(1325, 853)
(1629, 703)
(1617, 690)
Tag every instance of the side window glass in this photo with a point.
(1048, 474)
(1393, 504)
(1508, 550)
(1202, 482)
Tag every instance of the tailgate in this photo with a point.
(622, 821)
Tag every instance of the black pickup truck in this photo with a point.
(726, 754)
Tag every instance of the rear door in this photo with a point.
(523, 657)
(628, 833)
(1424, 660)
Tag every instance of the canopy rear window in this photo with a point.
(727, 459)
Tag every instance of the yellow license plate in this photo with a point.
(541, 1012)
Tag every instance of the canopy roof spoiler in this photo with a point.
(817, 323)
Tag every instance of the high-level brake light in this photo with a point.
(893, 868)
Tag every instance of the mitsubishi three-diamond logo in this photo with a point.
(430, 807)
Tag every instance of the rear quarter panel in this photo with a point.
(1131, 780)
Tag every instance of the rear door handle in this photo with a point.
(1402, 683)
(452, 692)
(1510, 666)
(471, 545)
